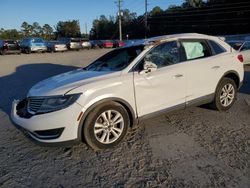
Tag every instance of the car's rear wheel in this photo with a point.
(106, 126)
(225, 94)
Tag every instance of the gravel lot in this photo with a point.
(196, 147)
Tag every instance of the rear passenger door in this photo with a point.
(203, 69)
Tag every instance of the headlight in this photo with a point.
(38, 105)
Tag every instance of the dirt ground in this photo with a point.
(196, 147)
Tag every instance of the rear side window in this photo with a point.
(218, 49)
(196, 49)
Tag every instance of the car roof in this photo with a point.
(163, 38)
(181, 36)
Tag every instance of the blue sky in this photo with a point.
(14, 12)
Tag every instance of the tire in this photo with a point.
(95, 127)
(3, 51)
(27, 50)
(225, 95)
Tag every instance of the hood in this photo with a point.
(62, 83)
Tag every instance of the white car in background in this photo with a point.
(100, 102)
(86, 44)
(244, 48)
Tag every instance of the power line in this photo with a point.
(205, 9)
(199, 14)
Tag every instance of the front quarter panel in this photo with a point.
(120, 87)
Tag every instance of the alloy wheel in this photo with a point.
(227, 95)
(109, 126)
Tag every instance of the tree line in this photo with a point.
(69, 28)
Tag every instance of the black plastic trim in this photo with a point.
(68, 143)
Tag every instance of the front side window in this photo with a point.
(164, 54)
(116, 60)
(196, 49)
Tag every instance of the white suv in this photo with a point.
(100, 102)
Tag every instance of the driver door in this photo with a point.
(164, 87)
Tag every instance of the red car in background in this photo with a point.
(118, 43)
(108, 44)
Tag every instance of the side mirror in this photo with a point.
(148, 67)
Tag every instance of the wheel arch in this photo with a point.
(126, 105)
(234, 76)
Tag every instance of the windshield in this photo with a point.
(116, 60)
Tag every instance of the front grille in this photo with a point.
(21, 109)
(34, 104)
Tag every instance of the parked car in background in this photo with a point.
(99, 43)
(71, 43)
(56, 46)
(243, 47)
(9, 46)
(86, 44)
(100, 102)
(118, 43)
(107, 44)
(33, 44)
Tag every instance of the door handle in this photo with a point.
(178, 76)
(215, 67)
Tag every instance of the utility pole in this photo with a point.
(86, 29)
(120, 19)
(146, 18)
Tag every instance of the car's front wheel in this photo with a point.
(106, 126)
(225, 94)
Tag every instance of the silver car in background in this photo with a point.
(56, 46)
(33, 44)
(71, 43)
(86, 44)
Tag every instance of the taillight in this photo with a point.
(240, 58)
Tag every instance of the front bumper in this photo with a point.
(38, 48)
(55, 127)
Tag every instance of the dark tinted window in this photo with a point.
(75, 40)
(218, 49)
(10, 41)
(164, 54)
(196, 49)
(38, 40)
